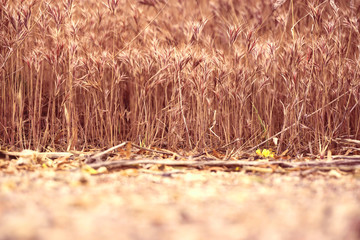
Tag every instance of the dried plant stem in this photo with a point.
(294, 124)
(182, 110)
(231, 164)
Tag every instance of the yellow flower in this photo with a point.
(265, 153)
(258, 152)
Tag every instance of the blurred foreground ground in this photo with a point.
(132, 204)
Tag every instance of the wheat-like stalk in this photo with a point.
(179, 74)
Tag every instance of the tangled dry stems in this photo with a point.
(179, 74)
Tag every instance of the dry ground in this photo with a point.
(188, 204)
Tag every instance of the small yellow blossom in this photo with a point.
(258, 152)
(265, 153)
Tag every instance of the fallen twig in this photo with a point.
(99, 156)
(167, 152)
(353, 157)
(173, 163)
(35, 154)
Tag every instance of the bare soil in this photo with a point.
(188, 204)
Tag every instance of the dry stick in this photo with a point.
(230, 143)
(344, 157)
(54, 155)
(167, 152)
(29, 153)
(234, 164)
(353, 141)
(97, 156)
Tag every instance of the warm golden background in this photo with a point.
(179, 74)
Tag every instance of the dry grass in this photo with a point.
(179, 74)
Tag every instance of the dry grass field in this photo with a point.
(179, 119)
(179, 74)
